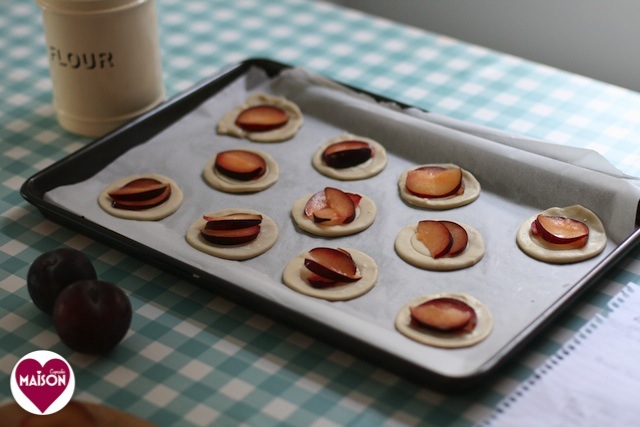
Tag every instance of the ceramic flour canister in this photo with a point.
(105, 62)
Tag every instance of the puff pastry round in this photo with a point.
(265, 240)
(472, 191)
(541, 250)
(152, 214)
(229, 185)
(365, 216)
(423, 335)
(295, 272)
(413, 251)
(227, 124)
(371, 167)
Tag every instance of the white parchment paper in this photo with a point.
(519, 177)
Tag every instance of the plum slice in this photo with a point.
(232, 221)
(242, 165)
(561, 230)
(229, 237)
(139, 189)
(434, 181)
(459, 235)
(435, 236)
(346, 154)
(332, 264)
(445, 315)
(262, 118)
(332, 206)
(320, 282)
(231, 229)
(139, 194)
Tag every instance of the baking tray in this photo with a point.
(355, 334)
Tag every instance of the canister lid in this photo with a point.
(79, 7)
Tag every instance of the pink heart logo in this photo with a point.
(42, 384)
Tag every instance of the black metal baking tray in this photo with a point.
(84, 163)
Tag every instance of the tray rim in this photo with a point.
(34, 189)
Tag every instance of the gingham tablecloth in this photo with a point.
(194, 358)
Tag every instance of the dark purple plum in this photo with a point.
(92, 316)
(53, 271)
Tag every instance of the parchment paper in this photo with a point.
(516, 184)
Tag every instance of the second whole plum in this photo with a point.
(53, 271)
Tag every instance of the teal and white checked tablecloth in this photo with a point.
(194, 358)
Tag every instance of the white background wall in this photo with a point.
(595, 38)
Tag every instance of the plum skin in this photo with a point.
(92, 316)
(53, 271)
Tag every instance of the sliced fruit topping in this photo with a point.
(335, 265)
(139, 189)
(242, 165)
(435, 181)
(561, 230)
(459, 236)
(139, 194)
(232, 221)
(231, 229)
(236, 236)
(318, 281)
(332, 207)
(346, 154)
(442, 238)
(435, 236)
(262, 118)
(445, 314)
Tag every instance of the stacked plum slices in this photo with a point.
(231, 229)
(330, 267)
(262, 118)
(565, 232)
(332, 206)
(346, 154)
(435, 182)
(442, 238)
(140, 194)
(444, 314)
(241, 165)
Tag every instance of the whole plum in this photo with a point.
(53, 271)
(92, 316)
